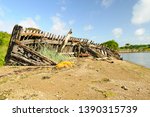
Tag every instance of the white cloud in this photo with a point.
(63, 1)
(140, 32)
(94, 37)
(37, 17)
(1, 25)
(142, 36)
(28, 22)
(141, 12)
(63, 8)
(117, 32)
(88, 27)
(71, 22)
(6, 26)
(58, 14)
(2, 12)
(106, 3)
(58, 26)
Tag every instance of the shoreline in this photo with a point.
(120, 52)
(140, 58)
(87, 80)
(130, 62)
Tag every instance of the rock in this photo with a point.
(77, 94)
(138, 89)
(124, 87)
(45, 77)
(57, 95)
(2, 97)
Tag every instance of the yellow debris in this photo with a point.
(64, 64)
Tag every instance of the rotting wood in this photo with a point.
(25, 44)
(22, 60)
(51, 62)
(65, 41)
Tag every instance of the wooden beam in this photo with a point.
(65, 41)
(35, 53)
(24, 60)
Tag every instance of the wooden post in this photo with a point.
(65, 41)
(15, 36)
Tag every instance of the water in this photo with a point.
(138, 58)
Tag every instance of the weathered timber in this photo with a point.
(15, 35)
(32, 52)
(26, 42)
(21, 60)
(93, 53)
(65, 41)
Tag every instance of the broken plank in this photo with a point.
(35, 53)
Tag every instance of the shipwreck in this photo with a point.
(25, 44)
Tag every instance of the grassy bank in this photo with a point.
(4, 41)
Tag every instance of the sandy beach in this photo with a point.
(88, 79)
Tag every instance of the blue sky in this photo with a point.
(126, 21)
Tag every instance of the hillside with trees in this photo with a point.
(135, 48)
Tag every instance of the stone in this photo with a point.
(124, 87)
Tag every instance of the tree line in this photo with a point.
(138, 48)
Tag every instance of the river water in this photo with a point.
(138, 58)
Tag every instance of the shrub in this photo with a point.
(52, 54)
(112, 44)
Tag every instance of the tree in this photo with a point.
(127, 45)
(112, 44)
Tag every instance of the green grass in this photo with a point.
(52, 54)
(4, 42)
(3, 51)
(106, 94)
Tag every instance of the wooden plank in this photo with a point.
(35, 53)
(32, 34)
(93, 52)
(24, 60)
(31, 41)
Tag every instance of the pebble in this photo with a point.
(138, 89)
(124, 87)
(45, 77)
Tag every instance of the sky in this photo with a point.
(125, 21)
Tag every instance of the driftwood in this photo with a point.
(26, 42)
